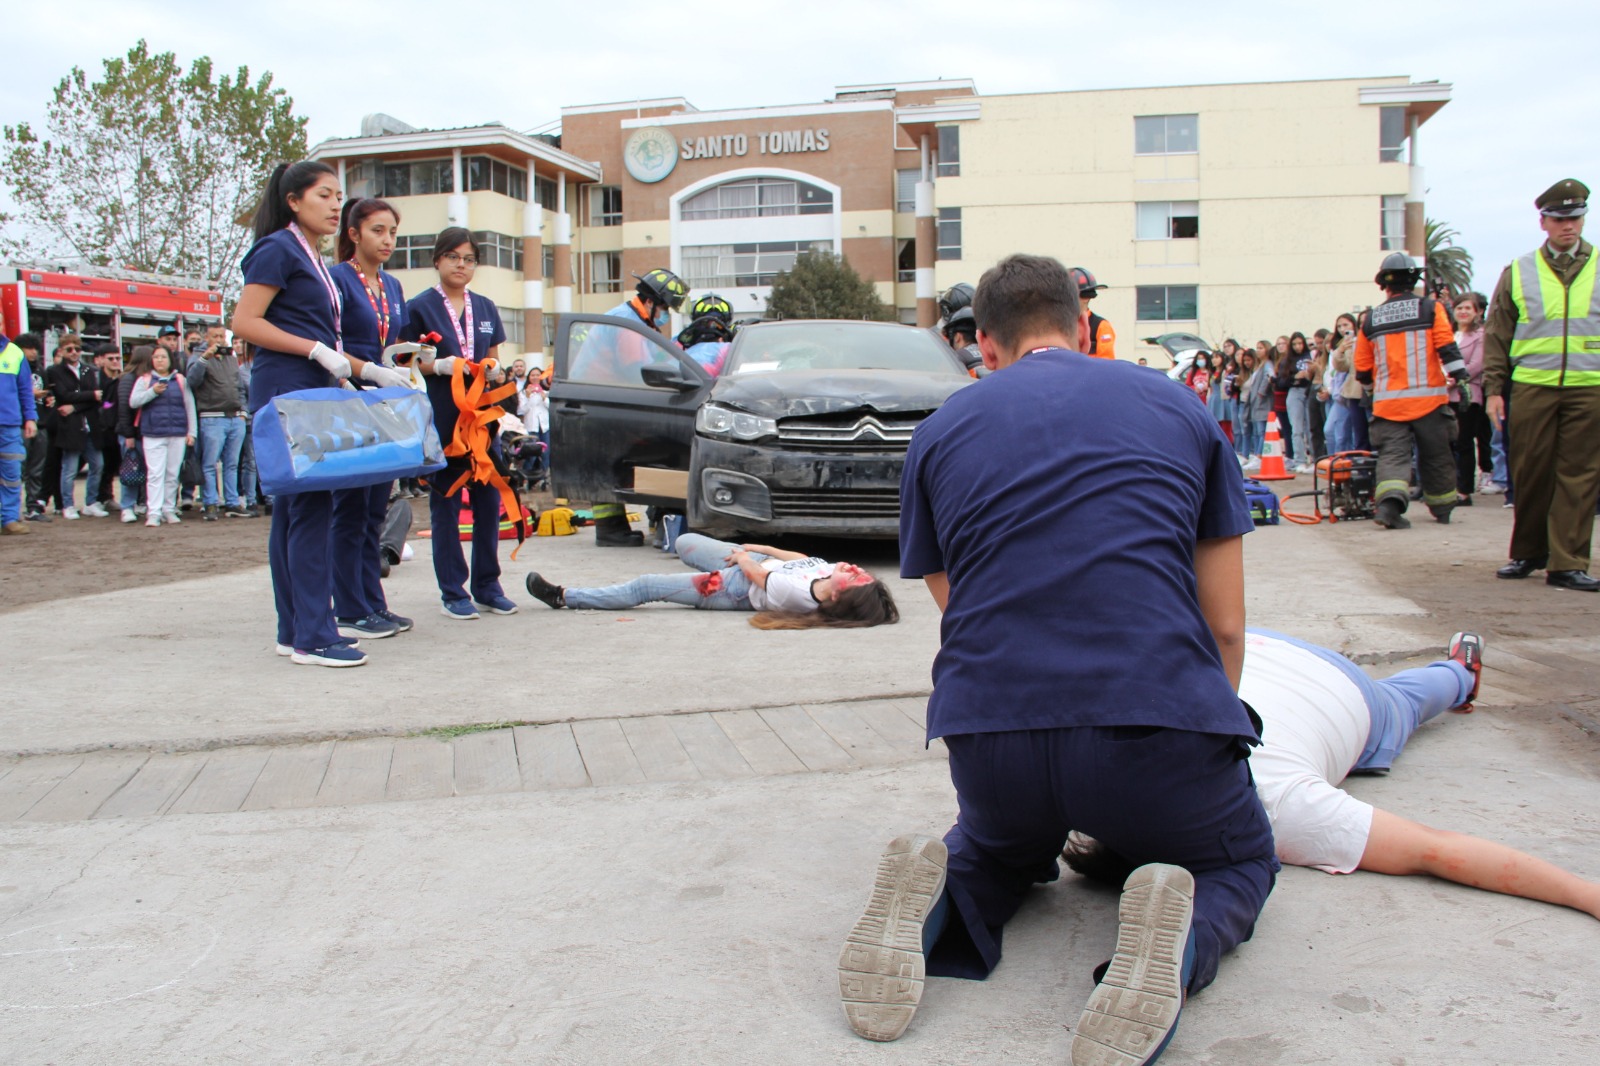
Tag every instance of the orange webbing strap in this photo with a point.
(478, 408)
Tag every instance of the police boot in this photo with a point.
(611, 529)
(1391, 515)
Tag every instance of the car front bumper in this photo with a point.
(761, 488)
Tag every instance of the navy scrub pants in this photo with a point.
(449, 562)
(297, 549)
(1147, 794)
(358, 516)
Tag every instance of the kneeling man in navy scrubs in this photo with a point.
(1080, 524)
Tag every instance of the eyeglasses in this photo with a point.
(70, 348)
(464, 260)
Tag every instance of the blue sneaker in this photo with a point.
(375, 626)
(497, 605)
(333, 655)
(401, 621)
(460, 610)
(1133, 1011)
(883, 967)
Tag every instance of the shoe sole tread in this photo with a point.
(882, 970)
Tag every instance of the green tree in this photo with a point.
(1447, 264)
(151, 167)
(824, 285)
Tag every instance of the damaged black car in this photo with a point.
(804, 430)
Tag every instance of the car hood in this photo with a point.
(788, 394)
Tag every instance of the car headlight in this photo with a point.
(727, 423)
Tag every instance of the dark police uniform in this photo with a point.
(1543, 336)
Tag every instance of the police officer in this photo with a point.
(1404, 350)
(659, 293)
(1543, 334)
(1102, 338)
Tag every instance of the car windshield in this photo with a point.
(784, 346)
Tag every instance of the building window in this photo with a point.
(605, 271)
(949, 230)
(906, 262)
(905, 189)
(949, 152)
(499, 250)
(758, 198)
(1392, 135)
(545, 191)
(1167, 220)
(1168, 303)
(1166, 134)
(908, 316)
(511, 320)
(424, 177)
(549, 259)
(412, 252)
(486, 174)
(1392, 226)
(549, 330)
(361, 180)
(605, 205)
(710, 266)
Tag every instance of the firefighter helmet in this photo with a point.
(663, 286)
(1399, 271)
(955, 298)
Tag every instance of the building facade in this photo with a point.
(1243, 210)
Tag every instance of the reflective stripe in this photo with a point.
(1416, 371)
(1442, 498)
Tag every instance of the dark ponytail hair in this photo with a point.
(354, 216)
(452, 237)
(856, 607)
(288, 179)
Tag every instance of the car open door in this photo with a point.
(622, 396)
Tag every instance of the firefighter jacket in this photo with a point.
(1557, 337)
(1407, 352)
(1102, 338)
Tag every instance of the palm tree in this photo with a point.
(1449, 265)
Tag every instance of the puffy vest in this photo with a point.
(1557, 339)
(166, 415)
(1405, 334)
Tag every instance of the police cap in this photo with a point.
(1567, 198)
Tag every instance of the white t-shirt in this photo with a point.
(789, 584)
(1316, 724)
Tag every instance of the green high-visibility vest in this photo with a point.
(11, 359)
(1557, 339)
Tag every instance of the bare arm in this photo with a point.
(1398, 846)
(939, 588)
(1219, 577)
(749, 567)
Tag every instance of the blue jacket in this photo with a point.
(16, 386)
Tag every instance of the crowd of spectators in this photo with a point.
(1309, 384)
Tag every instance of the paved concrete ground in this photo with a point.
(384, 899)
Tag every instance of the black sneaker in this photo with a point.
(238, 510)
(548, 594)
(210, 514)
(39, 516)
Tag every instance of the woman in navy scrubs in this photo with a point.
(470, 328)
(291, 311)
(374, 313)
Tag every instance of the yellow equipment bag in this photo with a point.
(556, 522)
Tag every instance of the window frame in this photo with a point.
(1166, 134)
(1170, 217)
(766, 201)
(1392, 207)
(605, 205)
(761, 262)
(610, 283)
(947, 217)
(1166, 303)
(947, 155)
(1399, 150)
(417, 248)
(908, 204)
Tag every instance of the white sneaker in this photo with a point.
(129, 516)
(153, 522)
(171, 518)
(1254, 463)
(71, 514)
(97, 510)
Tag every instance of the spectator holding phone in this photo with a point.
(166, 417)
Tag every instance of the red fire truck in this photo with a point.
(101, 304)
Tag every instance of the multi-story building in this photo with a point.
(1247, 210)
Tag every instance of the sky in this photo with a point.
(1520, 118)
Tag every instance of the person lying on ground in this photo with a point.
(789, 589)
(1325, 719)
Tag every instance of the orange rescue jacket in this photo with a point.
(1102, 338)
(1406, 350)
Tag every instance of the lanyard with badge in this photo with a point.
(321, 270)
(463, 337)
(382, 315)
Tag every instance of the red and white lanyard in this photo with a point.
(463, 339)
(382, 315)
(321, 270)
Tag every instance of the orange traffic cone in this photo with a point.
(1272, 454)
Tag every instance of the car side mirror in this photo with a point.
(667, 377)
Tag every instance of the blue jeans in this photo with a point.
(70, 462)
(694, 550)
(1300, 421)
(12, 452)
(1252, 437)
(1501, 474)
(1340, 427)
(221, 439)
